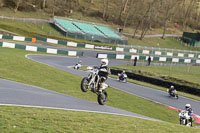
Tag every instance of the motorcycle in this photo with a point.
(173, 93)
(184, 118)
(77, 66)
(91, 82)
(122, 78)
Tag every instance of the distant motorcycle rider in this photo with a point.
(171, 89)
(188, 108)
(104, 71)
(77, 65)
(122, 75)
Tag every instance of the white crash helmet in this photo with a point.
(123, 71)
(187, 106)
(172, 87)
(104, 62)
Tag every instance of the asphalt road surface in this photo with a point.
(19, 94)
(14, 93)
(158, 96)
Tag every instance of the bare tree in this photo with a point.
(121, 11)
(17, 5)
(125, 5)
(128, 13)
(1, 3)
(141, 17)
(53, 9)
(198, 13)
(152, 12)
(43, 4)
(105, 8)
(188, 12)
(169, 10)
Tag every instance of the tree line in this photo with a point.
(139, 14)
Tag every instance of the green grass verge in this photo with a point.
(158, 42)
(21, 119)
(14, 66)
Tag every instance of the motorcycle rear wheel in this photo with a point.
(84, 84)
(102, 98)
(183, 122)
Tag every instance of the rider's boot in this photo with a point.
(190, 120)
(102, 87)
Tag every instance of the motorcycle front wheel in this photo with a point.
(84, 84)
(102, 98)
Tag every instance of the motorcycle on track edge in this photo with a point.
(184, 118)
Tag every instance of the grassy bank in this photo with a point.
(14, 66)
(158, 42)
(43, 29)
(10, 13)
(20, 119)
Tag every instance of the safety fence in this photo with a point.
(144, 57)
(40, 49)
(120, 49)
(116, 49)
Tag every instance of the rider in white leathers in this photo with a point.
(78, 65)
(188, 108)
(104, 71)
(122, 74)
